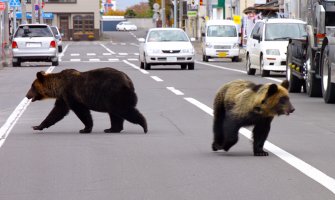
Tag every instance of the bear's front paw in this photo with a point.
(111, 130)
(38, 128)
(85, 130)
(261, 153)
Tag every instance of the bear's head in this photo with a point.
(273, 100)
(40, 88)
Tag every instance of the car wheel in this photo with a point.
(328, 88)
(313, 84)
(264, 73)
(16, 64)
(142, 65)
(250, 71)
(60, 49)
(183, 66)
(190, 66)
(55, 63)
(147, 66)
(235, 59)
(205, 58)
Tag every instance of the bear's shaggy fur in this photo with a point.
(243, 103)
(102, 90)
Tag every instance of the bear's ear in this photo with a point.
(40, 76)
(285, 84)
(273, 89)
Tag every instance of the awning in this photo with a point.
(45, 15)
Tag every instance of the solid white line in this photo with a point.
(62, 54)
(135, 67)
(15, 116)
(110, 51)
(156, 78)
(235, 70)
(310, 171)
(175, 91)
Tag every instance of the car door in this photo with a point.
(258, 46)
(251, 43)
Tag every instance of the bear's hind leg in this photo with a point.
(116, 124)
(84, 114)
(260, 134)
(230, 134)
(218, 139)
(134, 116)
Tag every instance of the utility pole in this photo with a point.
(175, 13)
(40, 16)
(181, 13)
(6, 32)
(33, 14)
(24, 12)
(163, 14)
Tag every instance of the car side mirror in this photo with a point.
(256, 37)
(141, 40)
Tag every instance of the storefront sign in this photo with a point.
(2, 6)
(45, 15)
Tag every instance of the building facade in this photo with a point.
(76, 19)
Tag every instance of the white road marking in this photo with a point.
(175, 91)
(75, 60)
(310, 171)
(94, 60)
(135, 67)
(15, 116)
(136, 54)
(113, 59)
(110, 51)
(91, 54)
(156, 78)
(62, 54)
(235, 70)
(107, 54)
(75, 54)
(123, 44)
(132, 59)
(123, 54)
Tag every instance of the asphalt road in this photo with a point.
(174, 160)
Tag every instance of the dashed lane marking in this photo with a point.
(91, 54)
(175, 91)
(156, 78)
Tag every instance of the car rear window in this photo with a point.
(54, 30)
(33, 31)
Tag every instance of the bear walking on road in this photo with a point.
(244, 103)
(102, 90)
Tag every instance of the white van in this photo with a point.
(220, 40)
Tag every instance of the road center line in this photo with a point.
(135, 67)
(310, 171)
(156, 78)
(175, 91)
(15, 116)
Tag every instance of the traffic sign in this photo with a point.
(14, 3)
(2, 6)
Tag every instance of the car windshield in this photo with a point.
(33, 31)
(284, 31)
(221, 31)
(167, 36)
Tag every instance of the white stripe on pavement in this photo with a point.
(135, 67)
(156, 78)
(175, 91)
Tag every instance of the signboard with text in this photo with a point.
(2, 6)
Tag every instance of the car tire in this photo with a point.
(313, 84)
(60, 49)
(16, 64)
(55, 63)
(190, 66)
(183, 66)
(264, 73)
(250, 71)
(328, 87)
(142, 65)
(235, 59)
(205, 58)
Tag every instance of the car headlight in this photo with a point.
(209, 45)
(153, 50)
(273, 52)
(189, 50)
(236, 46)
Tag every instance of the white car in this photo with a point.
(166, 46)
(126, 26)
(267, 44)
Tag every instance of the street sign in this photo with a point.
(2, 6)
(14, 3)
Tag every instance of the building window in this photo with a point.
(83, 23)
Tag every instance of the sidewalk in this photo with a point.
(5, 55)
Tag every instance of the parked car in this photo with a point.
(34, 42)
(166, 46)
(267, 44)
(58, 37)
(126, 26)
(220, 40)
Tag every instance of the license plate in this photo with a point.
(222, 54)
(171, 59)
(34, 44)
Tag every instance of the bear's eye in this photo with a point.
(283, 100)
(263, 101)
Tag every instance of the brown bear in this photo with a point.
(244, 103)
(102, 90)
